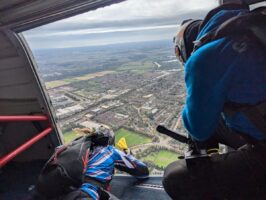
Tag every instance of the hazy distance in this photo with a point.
(129, 21)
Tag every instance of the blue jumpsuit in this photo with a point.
(218, 73)
(101, 166)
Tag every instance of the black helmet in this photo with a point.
(186, 35)
(103, 136)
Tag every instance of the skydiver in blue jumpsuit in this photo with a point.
(102, 161)
(219, 72)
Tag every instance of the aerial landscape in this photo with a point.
(130, 87)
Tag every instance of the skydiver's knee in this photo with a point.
(175, 178)
(175, 171)
(76, 195)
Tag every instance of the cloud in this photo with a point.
(143, 9)
(123, 19)
(94, 39)
(102, 31)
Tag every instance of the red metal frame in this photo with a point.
(4, 160)
(23, 118)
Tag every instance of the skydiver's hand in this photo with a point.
(127, 151)
(122, 145)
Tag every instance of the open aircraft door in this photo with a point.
(29, 130)
(25, 106)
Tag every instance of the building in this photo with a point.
(68, 111)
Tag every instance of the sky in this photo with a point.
(129, 21)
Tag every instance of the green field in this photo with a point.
(136, 66)
(91, 76)
(53, 84)
(161, 158)
(69, 136)
(58, 83)
(132, 138)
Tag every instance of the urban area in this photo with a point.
(131, 88)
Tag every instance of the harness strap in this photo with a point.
(101, 188)
(227, 6)
(252, 25)
(247, 28)
(94, 182)
(255, 113)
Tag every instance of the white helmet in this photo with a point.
(103, 136)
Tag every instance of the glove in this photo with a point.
(122, 144)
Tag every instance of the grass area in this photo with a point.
(132, 138)
(69, 136)
(136, 66)
(94, 75)
(53, 84)
(58, 83)
(161, 158)
(148, 65)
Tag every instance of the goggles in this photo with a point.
(184, 38)
(178, 52)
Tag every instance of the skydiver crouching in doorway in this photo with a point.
(100, 167)
(226, 93)
(84, 168)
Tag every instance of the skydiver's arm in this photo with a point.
(131, 165)
(208, 74)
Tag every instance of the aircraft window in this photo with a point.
(116, 66)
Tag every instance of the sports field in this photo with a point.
(132, 138)
(161, 158)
